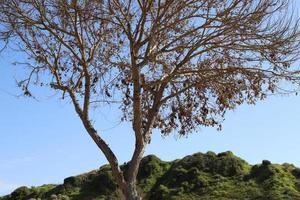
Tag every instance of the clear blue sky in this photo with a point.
(44, 142)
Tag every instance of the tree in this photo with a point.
(170, 65)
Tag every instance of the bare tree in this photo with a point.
(170, 65)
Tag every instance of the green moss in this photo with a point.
(151, 168)
(21, 193)
(197, 177)
(296, 172)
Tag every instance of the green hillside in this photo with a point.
(200, 176)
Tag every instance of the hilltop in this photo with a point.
(200, 176)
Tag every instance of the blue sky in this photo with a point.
(42, 141)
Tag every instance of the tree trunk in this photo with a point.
(131, 189)
(131, 192)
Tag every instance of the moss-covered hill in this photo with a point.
(200, 176)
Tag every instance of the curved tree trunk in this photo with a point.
(128, 187)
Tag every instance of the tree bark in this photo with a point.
(133, 171)
(131, 192)
(140, 144)
(127, 187)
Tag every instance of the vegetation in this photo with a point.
(168, 65)
(200, 176)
